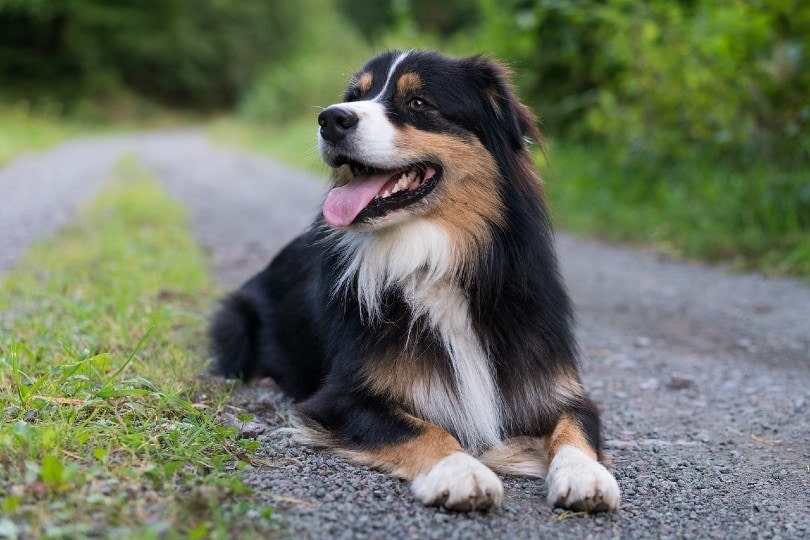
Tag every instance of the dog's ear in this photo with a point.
(510, 117)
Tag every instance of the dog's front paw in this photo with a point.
(578, 482)
(459, 482)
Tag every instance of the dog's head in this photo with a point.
(422, 134)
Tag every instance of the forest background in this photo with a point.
(681, 125)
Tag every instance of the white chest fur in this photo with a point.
(418, 258)
(472, 409)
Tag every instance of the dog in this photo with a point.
(420, 324)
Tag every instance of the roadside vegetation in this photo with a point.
(293, 143)
(22, 131)
(27, 126)
(666, 130)
(680, 125)
(107, 427)
(751, 218)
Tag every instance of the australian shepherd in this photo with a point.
(420, 323)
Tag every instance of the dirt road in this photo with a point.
(703, 377)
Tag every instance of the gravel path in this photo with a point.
(704, 378)
(40, 192)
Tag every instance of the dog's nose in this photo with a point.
(335, 122)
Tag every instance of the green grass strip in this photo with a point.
(751, 219)
(22, 131)
(106, 426)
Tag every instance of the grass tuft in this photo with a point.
(106, 426)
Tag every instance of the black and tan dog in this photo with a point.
(421, 323)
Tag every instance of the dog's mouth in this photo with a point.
(372, 193)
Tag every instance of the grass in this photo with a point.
(106, 426)
(22, 130)
(752, 219)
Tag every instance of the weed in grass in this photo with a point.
(101, 426)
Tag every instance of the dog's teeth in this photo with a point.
(386, 193)
(411, 174)
(402, 183)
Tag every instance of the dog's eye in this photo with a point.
(352, 95)
(417, 104)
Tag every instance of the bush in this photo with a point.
(665, 80)
(720, 79)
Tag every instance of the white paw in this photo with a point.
(578, 482)
(459, 482)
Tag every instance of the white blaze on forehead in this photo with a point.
(391, 71)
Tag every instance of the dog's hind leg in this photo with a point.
(576, 479)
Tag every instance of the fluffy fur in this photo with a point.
(420, 322)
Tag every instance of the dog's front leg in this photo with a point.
(440, 471)
(575, 477)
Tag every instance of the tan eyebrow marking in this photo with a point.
(364, 82)
(409, 82)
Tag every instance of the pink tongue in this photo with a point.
(343, 203)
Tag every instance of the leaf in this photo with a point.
(9, 504)
(23, 431)
(106, 393)
(61, 400)
(129, 360)
(51, 471)
(198, 532)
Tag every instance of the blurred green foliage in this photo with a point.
(312, 73)
(659, 80)
(185, 53)
(664, 80)
(680, 100)
(375, 19)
